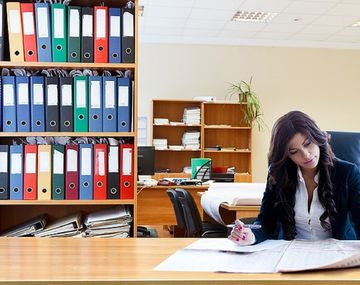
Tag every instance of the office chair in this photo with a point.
(179, 215)
(193, 223)
(346, 146)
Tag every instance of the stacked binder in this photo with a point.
(191, 116)
(191, 140)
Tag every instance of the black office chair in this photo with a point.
(346, 145)
(179, 215)
(193, 223)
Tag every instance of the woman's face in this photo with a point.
(303, 152)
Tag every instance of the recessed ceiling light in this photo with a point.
(254, 17)
(141, 10)
(357, 24)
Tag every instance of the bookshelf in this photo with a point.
(220, 125)
(13, 212)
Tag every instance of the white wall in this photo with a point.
(321, 82)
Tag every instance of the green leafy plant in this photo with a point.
(252, 112)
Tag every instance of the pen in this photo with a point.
(249, 226)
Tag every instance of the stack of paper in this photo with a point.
(28, 228)
(161, 121)
(64, 227)
(191, 116)
(111, 222)
(191, 140)
(176, 147)
(160, 143)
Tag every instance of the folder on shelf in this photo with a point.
(1, 104)
(29, 35)
(100, 171)
(27, 228)
(43, 31)
(74, 34)
(128, 33)
(87, 37)
(2, 30)
(81, 112)
(30, 172)
(86, 172)
(101, 40)
(51, 104)
(22, 104)
(113, 189)
(4, 172)
(59, 36)
(16, 172)
(115, 35)
(15, 32)
(126, 171)
(66, 104)
(44, 172)
(58, 173)
(124, 104)
(37, 106)
(71, 172)
(95, 104)
(109, 123)
(8, 104)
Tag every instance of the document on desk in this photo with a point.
(275, 256)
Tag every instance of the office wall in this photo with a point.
(321, 82)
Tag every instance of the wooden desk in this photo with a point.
(127, 261)
(154, 206)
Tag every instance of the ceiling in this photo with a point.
(313, 23)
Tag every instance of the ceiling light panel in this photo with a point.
(254, 17)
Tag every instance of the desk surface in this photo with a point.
(124, 261)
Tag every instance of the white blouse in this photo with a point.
(308, 222)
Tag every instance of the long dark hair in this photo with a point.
(283, 171)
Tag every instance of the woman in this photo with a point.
(310, 194)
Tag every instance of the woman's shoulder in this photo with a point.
(344, 166)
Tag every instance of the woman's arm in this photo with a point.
(354, 198)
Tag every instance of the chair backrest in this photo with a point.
(180, 220)
(346, 145)
(192, 216)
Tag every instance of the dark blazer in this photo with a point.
(346, 187)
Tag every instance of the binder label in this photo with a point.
(100, 23)
(75, 23)
(23, 96)
(127, 157)
(4, 162)
(115, 26)
(128, 25)
(109, 94)
(95, 94)
(113, 159)
(71, 160)
(15, 24)
(123, 96)
(38, 94)
(43, 29)
(44, 162)
(52, 95)
(28, 23)
(16, 163)
(101, 163)
(58, 162)
(30, 163)
(66, 95)
(81, 94)
(86, 161)
(87, 26)
(9, 99)
(58, 23)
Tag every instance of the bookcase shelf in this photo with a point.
(67, 134)
(67, 202)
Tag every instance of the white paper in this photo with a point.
(52, 95)
(87, 26)
(4, 162)
(85, 161)
(128, 26)
(115, 26)
(38, 94)
(9, 95)
(95, 101)
(30, 163)
(127, 161)
(71, 160)
(100, 23)
(44, 161)
(16, 163)
(109, 94)
(58, 162)
(66, 92)
(80, 94)
(23, 94)
(15, 24)
(113, 159)
(28, 23)
(58, 23)
(74, 30)
(42, 20)
(123, 96)
(101, 163)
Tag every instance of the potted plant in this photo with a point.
(252, 111)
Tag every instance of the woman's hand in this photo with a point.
(241, 235)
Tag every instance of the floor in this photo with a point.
(162, 231)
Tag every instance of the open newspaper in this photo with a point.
(222, 255)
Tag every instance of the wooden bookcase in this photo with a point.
(221, 125)
(13, 212)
